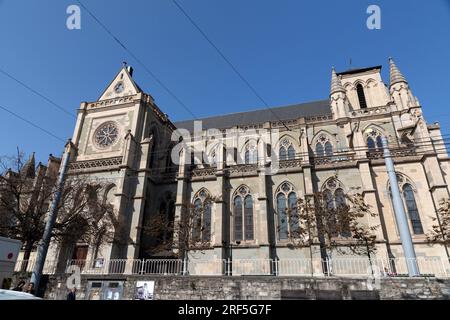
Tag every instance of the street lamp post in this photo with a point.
(53, 211)
(400, 215)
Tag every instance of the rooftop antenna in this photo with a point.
(350, 64)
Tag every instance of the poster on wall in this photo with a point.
(113, 291)
(94, 291)
(144, 290)
(104, 290)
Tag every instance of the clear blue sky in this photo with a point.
(284, 48)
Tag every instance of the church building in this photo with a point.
(335, 145)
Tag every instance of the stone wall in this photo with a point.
(226, 288)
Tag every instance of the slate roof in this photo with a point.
(315, 108)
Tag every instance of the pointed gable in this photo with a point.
(122, 85)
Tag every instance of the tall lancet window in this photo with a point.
(201, 219)
(411, 207)
(374, 140)
(324, 147)
(251, 153)
(409, 201)
(287, 151)
(334, 195)
(361, 96)
(243, 215)
(288, 219)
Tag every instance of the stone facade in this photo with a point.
(263, 288)
(332, 144)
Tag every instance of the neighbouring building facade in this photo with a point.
(24, 193)
(125, 140)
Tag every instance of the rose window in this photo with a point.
(106, 135)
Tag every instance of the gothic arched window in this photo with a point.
(168, 234)
(287, 150)
(282, 216)
(374, 140)
(379, 143)
(288, 220)
(293, 217)
(197, 221)
(251, 154)
(370, 144)
(411, 208)
(167, 214)
(319, 150)
(243, 215)
(153, 156)
(248, 217)
(339, 198)
(283, 154)
(324, 147)
(409, 200)
(291, 153)
(328, 149)
(361, 96)
(201, 218)
(334, 196)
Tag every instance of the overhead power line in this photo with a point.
(31, 123)
(231, 65)
(38, 93)
(139, 61)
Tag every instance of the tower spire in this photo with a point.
(395, 75)
(28, 169)
(336, 84)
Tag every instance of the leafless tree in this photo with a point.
(440, 230)
(191, 232)
(333, 225)
(25, 196)
(85, 216)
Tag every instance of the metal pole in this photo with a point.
(45, 241)
(400, 216)
(230, 264)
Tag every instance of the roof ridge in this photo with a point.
(254, 110)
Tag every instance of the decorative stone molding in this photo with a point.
(403, 152)
(280, 124)
(372, 111)
(243, 168)
(96, 164)
(326, 117)
(110, 102)
(333, 159)
(204, 172)
(295, 163)
(251, 126)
